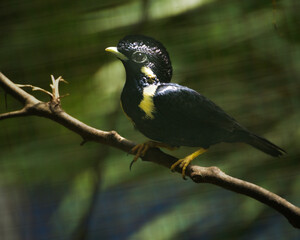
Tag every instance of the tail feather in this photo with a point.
(264, 145)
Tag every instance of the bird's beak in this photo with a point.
(115, 51)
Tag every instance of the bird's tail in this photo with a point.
(264, 145)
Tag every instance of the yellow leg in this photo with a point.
(184, 162)
(140, 149)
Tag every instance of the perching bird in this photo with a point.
(169, 114)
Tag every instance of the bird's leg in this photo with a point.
(184, 162)
(140, 149)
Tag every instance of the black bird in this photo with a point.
(169, 114)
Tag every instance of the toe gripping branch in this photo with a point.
(140, 150)
(184, 162)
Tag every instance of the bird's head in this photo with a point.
(143, 57)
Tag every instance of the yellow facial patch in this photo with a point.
(147, 104)
(148, 72)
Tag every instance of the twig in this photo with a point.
(18, 113)
(52, 110)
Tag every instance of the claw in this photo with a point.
(130, 166)
(141, 149)
(184, 162)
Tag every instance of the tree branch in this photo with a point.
(52, 110)
(18, 113)
(17, 92)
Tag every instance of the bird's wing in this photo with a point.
(185, 106)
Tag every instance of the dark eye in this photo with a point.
(139, 57)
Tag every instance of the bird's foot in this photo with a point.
(140, 149)
(184, 162)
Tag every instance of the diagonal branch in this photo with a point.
(52, 110)
(16, 91)
(19, 113)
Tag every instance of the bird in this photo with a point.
(169, 114)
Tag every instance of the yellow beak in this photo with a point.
(115, 51)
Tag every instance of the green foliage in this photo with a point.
(229, 51)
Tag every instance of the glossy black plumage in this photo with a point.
(170, 113)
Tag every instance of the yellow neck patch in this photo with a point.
(147, 104)
(148, 72)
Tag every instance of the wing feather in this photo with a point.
(182, 106)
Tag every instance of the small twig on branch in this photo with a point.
(18, 113)
(52, 110)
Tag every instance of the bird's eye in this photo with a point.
(139, 57)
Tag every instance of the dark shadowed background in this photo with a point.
(244, 55)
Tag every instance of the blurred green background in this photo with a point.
(244, 55)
